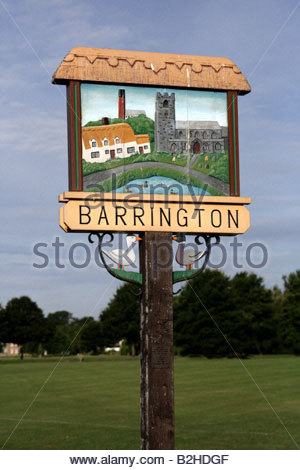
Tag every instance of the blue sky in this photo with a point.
(262, 38)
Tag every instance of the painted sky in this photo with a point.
(102, 101)
(262, 38)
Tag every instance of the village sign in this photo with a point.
(154, 153)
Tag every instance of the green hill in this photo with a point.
(140, 124)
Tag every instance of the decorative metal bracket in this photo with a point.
(179, 276)
(137, 278)
(128, 276)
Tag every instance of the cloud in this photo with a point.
(38, 134)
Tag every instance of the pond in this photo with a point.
(161, 185)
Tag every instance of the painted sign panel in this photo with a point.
(154, 140)
(163, 127)
(98, 215)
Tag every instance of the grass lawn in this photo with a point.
(95, 404)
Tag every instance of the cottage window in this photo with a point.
(94, 143)
(107, 152)
(117, 140)
(145, 147)
(95, 154)
(119, 150)
(105, 141)
(131, 150)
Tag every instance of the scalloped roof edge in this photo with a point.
(151, 68)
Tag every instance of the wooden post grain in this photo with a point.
(157, 380)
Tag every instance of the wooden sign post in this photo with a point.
(153, 153)
(157, 378)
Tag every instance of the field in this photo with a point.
(95, 404)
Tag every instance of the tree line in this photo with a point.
(214, 316)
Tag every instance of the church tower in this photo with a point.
(164, 121)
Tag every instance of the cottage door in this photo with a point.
(196, 147)
(141, 150)
(112, 154)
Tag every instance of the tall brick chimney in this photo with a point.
(122, 104)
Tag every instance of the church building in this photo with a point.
(183, 137)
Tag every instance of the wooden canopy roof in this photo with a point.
(151, 68)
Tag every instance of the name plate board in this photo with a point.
(161, 126)
(209, 215)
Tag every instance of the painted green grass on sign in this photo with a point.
(162, 157)
(218, 169)
(95, 404)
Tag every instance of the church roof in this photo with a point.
(197, 125)
(135, 112)
(151, 68)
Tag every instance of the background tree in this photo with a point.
(289, 318)
(60, 318)
(76, 328)
(214, 316)
(71, 335)
(121, 319)
(58, 339)
(92, 337)
(202, 310)
(277, 300)
(21, 322)
(4, 325)
(253, 303)
(1, 325)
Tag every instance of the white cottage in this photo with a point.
(102, 143)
